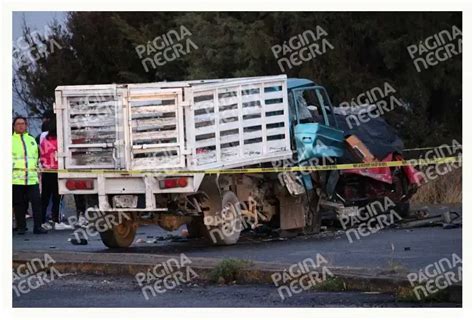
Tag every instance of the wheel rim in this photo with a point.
(229, 212)
(230, 216)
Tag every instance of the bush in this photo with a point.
(228, 270)
(444, 189)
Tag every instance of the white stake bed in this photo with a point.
(206, 124)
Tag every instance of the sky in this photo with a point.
(36, 20)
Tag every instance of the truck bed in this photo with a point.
(195, 125)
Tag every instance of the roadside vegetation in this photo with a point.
(445, 189)
(333, 284)
(406, 294)
(228, 271)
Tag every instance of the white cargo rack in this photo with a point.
(237, 123)
(222, 123)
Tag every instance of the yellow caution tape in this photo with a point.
(424, 148)
(344, 166)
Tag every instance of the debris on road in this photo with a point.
(424, 218)
(80, 242)
(451, 225)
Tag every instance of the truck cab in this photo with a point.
(313, 125)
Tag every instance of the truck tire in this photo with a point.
(403, 209)
(226, 233)
(120, 236)
(313, 213)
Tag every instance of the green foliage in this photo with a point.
(407, 294)
(228, 270)
(369, 49)
(332, 284)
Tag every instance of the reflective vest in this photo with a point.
(24, 159)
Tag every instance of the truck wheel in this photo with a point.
(120, 236)
(401, 186)
(403, 209)
(313, 213)
(229, 216)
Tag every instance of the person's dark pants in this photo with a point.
(49, 189)
(22, 194)
(80, 201)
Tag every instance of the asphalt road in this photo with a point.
(94, 291)
(408, 248)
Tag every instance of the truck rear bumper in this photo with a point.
(105, 184)
(126, 184)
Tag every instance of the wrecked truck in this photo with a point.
(158, 153)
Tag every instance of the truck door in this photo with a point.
(316, 133)
(90, 127)
(156, 127)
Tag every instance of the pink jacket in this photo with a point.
(48, 152)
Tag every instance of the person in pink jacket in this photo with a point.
(49, 180)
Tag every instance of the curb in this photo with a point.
(119, 264)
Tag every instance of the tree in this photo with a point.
(369, 49)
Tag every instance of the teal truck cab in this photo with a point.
(313, 123)
(319, 135)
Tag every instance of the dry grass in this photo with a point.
(444, 189)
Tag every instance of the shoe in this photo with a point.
(21, 231)
(47, 226)
(40, 231)
(82, 222)
(62, 226)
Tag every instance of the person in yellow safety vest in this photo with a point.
(25, 177)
